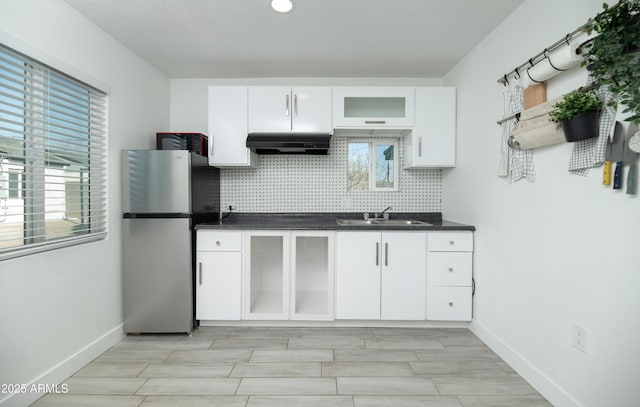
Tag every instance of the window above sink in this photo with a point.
(372, 165)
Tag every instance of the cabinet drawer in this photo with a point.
(449, 303)
(449, 269)
(214, 241)
(450, 242)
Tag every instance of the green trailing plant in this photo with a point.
(612, 57)
(575, 103)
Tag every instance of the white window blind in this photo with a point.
(52, 158)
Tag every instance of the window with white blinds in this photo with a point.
(52, 158)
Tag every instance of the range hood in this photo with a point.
(268, 143)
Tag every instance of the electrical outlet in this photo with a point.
(579, 338)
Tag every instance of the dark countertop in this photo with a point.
(327, 221)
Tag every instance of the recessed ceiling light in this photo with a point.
(281, 6)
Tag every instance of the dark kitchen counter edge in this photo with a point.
(326, 221)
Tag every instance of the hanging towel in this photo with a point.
(590, 153)
(505, 129)
(521, 164)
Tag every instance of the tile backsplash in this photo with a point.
(309, 183)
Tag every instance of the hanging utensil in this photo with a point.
(631, 158)
(606, 169)
(617, 155)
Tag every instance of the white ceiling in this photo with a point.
(319, 38)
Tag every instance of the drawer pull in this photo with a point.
(451, 304)
(450, 269)
(452, 242)
(217, 243)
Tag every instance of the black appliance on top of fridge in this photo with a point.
(165, 193)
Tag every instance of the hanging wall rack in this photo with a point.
(541, 56)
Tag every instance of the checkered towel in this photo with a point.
(520, 162)
(590, 153)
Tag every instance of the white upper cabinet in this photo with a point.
(373, 107)
(432, 142)
(228, 127)
(276, 109)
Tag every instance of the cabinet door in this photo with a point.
(270, 109)
(403, 276)
(373, 107)
(218, 286)
(311, 110)
(432, 142)
(228, 127)
(266, 275)
(312, 277)
(358, 259)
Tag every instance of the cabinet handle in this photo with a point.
(217, 243)
(386, 253)
(450, 269)
(295, 105)
(200, 273)
(451, 304)
(286, 105)
(419, 146)
(452, 242)
(377, 254)
(375, 121)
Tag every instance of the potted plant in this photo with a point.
(612, 58)
(578, 112)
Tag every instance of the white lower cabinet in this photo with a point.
(304, 275)
(218, 275)
(288, 275)
(380, 275)
(449, 276)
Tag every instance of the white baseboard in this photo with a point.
(63, 370)
(555, 394)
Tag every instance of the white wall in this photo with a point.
(561, 250)
(54, 304)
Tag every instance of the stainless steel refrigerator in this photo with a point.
(165, 193)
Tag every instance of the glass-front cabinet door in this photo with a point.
(266, 275)
(373, 107)
(312, 275)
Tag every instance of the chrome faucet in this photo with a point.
(384, 215)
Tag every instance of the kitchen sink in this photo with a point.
(381, 222)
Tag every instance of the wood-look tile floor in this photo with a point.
(250, 367)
